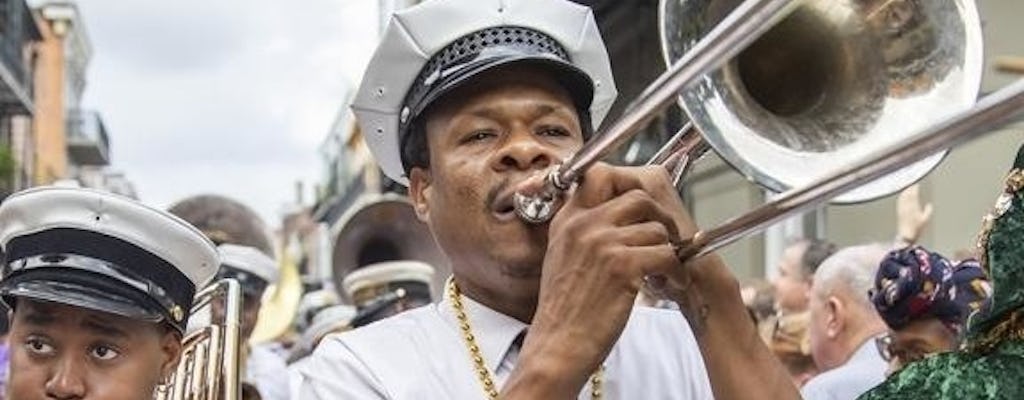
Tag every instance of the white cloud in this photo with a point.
(228, 96)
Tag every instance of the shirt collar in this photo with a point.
(866, 352)
(494, 331)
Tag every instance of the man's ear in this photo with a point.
(420, 191)
(835, 317)
(171, 348)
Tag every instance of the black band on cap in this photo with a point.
(125, 256)
(413, 289)
(414, 292)
(467, 49)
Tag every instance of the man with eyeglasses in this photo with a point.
(925, 300)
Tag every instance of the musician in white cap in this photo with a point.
(332, 319)
(387, 288)
(465, 101)
(254, 271)
(312, 303)
(100, 288)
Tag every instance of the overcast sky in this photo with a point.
(228, 96)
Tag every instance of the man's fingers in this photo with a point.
(650, 233)
(603, 182)
(654, 260)
(633, 207)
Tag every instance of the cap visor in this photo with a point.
(81, 296)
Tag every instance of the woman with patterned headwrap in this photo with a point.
(991, 366)
(925, 300)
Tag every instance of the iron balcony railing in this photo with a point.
(88, 143)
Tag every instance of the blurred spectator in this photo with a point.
(796, 271)
(789, 341)
(759, 297)
(925, 301)
(843, 324)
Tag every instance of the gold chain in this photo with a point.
(482, 373)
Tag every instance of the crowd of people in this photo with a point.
(842, 320)
(598, 303)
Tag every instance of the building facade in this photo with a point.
(70, 142)
(19, 37)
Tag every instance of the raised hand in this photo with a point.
(911, 216)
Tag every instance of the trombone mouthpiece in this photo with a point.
(534, 209)
(539, 207)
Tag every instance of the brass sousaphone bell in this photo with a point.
(384, 227)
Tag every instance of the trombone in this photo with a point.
(872, 73)
(736, 32)
(991, 112)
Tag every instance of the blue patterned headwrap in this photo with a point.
(913, 283)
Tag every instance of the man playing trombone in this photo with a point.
(464, 101)
(100, 289)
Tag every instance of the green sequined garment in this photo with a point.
(992, 364)
(959, 376)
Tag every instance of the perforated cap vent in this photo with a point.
(480, 51)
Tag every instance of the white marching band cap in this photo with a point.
(432, 48)
(312, 303)
(385, 273)
(325, 321)
(253, 269)
(103, 252)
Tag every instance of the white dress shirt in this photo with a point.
(295, 377)
(864, 370)
(420, 354)
(268, 372)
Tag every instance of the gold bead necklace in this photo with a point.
(482, 373)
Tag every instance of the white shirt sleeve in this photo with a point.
(335, 372)
(269, 373)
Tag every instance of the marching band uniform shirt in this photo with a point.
(268, 372)
(420, 354)
(295, 377)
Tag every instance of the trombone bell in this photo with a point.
(831, 83)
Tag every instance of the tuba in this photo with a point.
(209, 367)
(225, 220)
(384, 227)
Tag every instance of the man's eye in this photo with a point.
(104, 353)
(554, 131)
(38, 346)
(478, 136)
